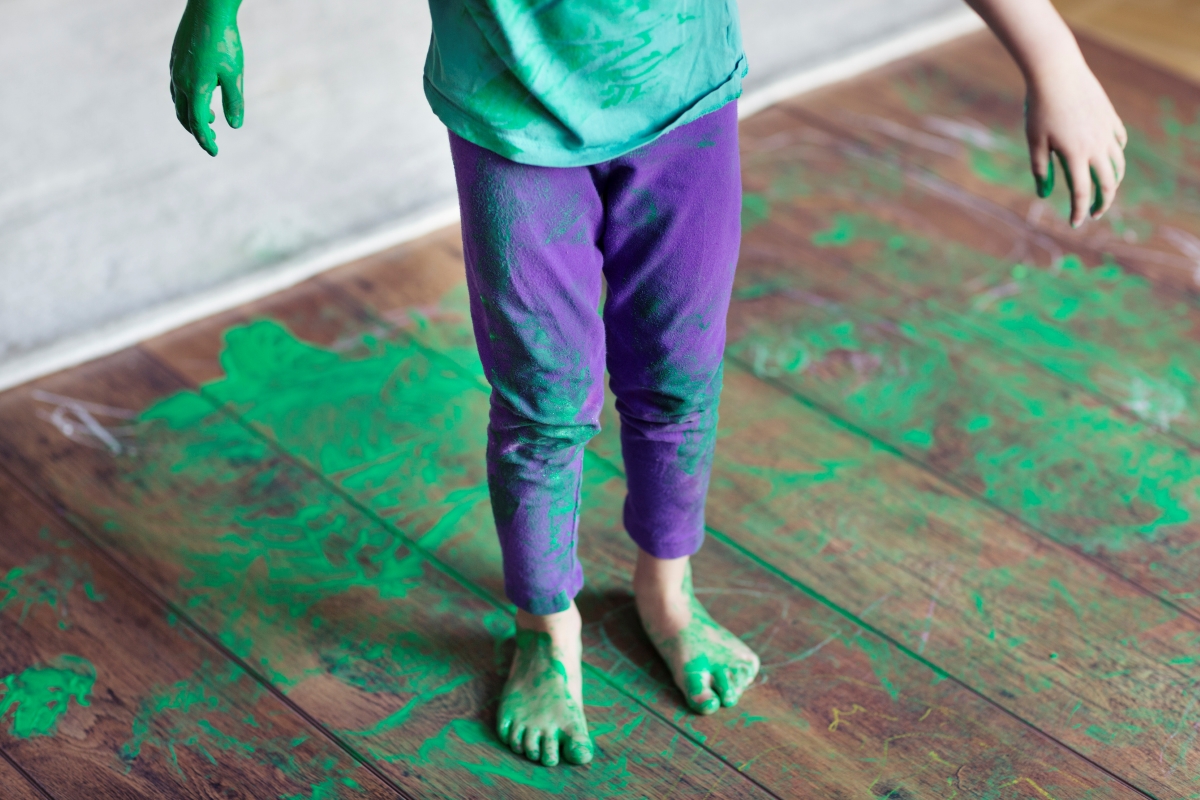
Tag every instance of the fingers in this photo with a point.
(1079, 182)
(201, 120)
(231, 99)
(1043, 166)
(1117, 156)
(1105, 176)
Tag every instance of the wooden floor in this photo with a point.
(955, 505)
(1164, 32)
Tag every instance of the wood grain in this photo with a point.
(942, 345)
(1163, 32)
(370, 637)
(469, 545)
(16, 787)
(955, 113)
(160, 712)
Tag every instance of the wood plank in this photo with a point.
(1080, 654)
(897, 531)
(106, 695)
(802, 687)
(956, 111)
(936, 386)
(16, 787)
(1087, 319)
(1163, 32)
(370, 637)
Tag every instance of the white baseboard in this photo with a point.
(129, 331)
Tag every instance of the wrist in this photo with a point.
(1053, 60)
(224, 11)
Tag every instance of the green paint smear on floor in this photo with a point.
(47, 580)
(921, 373)
(1101, 327)
(197, 716)
(1161, 162)
(40, 696)
(280, 566)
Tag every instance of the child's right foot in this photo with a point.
(541, 707)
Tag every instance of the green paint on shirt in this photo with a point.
(563, 84)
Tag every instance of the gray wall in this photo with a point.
(108, 208)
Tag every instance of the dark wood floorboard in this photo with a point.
(859, 525)
(16, 786)
(386, 649)
(457, 522)
(107, 695)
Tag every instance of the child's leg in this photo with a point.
(534, 274)
(671, 245)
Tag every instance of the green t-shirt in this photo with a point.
(564, 83)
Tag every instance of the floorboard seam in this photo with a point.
(79, 528)
(854, 430)
(28, 778)
(433, 559)
(1058, 377)
(850, 615)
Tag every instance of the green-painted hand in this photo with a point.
(207, 53)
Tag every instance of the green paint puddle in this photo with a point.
(39, 697)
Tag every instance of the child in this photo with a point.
(598, 138)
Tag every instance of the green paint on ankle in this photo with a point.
(40, 696)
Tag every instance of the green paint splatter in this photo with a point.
(39, 696)
(47, 580)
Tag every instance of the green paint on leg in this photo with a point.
(39, 697)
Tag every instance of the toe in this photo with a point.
(516, 739)
(533, 744)
(578, 751)
(700, 696)
(550, 750)
(726, 686)
(503, 728)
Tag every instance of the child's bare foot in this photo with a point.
(712, 667)
(541, 707)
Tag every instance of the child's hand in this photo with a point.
(207, 53)
(1068, 113)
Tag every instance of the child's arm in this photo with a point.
(207, 53)
(1067, 111)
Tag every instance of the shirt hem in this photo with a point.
(538, 153)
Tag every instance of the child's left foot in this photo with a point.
(711, 666)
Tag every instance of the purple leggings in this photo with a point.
(662, 225)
